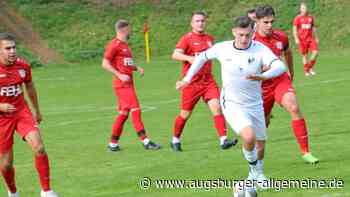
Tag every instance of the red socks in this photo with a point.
(43, 168)
(300, 132)
(312, 63)
(117, 128)
(220, 125)
(306, 67)
(179, 126)
(136, 120)
(9, 176)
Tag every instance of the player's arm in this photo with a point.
(197, 64)
(288, 56)
(179, 55)
(107, 65)
(295, 34)
(33, 97)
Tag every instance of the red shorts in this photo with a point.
(274, 90)
(308, 45)
(192, 93)
(22, 122)
(127, 98)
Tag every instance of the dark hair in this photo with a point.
(121, 23)
(251, 11)
(199, 12)
(243, 22)
(264, 11)
(7, 36)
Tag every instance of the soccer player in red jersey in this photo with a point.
(203, 85)
(280, 89)
(15, 115)
(304, 31)
(118, 60)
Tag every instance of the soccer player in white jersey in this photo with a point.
(242, 69)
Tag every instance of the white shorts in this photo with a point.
(239, 117)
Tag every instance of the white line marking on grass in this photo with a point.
(51, 79)
(322, 82)
(145, 109)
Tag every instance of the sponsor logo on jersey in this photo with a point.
(3, 75)
(13, 90)
(251, 60)
(22, 73)
(128, 61)
(196, 43)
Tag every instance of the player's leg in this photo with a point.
(136, 119)
(7, 128)
(117, 130)
(28, 129)
(314, 53)
(211, 97)
(303, 49)
(220, 124)
(189, 98)
(33, 138)
(140, 128)
(8, 172)
(117, 127)
(286, 97)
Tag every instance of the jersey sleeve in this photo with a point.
(183, 43)
(199, 61)
(267, 56)
(111, 51)
(296, 21)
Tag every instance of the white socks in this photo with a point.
(250, 156)
(175, 140)
(146, 141)
(222, 139)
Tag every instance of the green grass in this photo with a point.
(79, 29)
(78, 107)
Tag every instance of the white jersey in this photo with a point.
(236, 65)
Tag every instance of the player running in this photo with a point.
(15, 115)
(242, 62)
(118, 61)
(280, 89)
(203, 85)
(305, 35)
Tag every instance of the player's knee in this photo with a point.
(294, 109)
(39, 149)
(248, 137)
(124, 112)
(185, 114)
(6, 165)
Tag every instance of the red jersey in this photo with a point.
(119, 54)
(192, 44)
(11, 80)
(304, 25)
(278, 43)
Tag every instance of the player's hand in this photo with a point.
(317, 41)
(265, 68)
(38, 117)
(256, 77)
(124, 77)
(297, 41)
(191, 59)
(181, 84)
(7, 108)
(141, 71)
